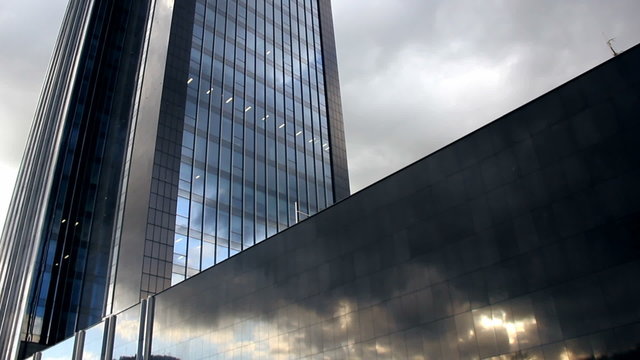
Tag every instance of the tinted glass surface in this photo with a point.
(93, 341)
(255, 145)
(518, 241)
(125, 343)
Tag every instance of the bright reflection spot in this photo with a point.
(380, 349)
(229, 100)
(208, 91)
(488, 322)
(66, 256)
(76, 224)
(499, 320)
(64, 221)
(247, 109)
(268, 52)
(281, 126)
(189, 81)
(299, 132)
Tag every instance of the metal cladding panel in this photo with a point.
(130, 248)
(239, 155)
(334, 104)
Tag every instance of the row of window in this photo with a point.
(255, 151)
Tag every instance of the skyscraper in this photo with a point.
(169, 136)
(518, 241)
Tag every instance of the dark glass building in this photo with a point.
(518, 241)
(169, 137)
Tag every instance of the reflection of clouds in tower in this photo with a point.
(328, 323)
(513, 328)
(276, 336)
(90, 356)
(344, 310)
(349, 287)
(127, 330)
(328, 328)
(257, 337)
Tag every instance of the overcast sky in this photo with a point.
(415, 74)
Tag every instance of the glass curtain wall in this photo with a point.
(255, 149)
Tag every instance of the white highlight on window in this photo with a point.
(229, 100)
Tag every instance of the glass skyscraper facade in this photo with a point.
(516, 242)
(169, 137)
(255, 144)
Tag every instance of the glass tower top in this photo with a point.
(255, 144)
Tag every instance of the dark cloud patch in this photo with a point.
(418, 74)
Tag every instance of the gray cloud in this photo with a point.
(418, 74)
